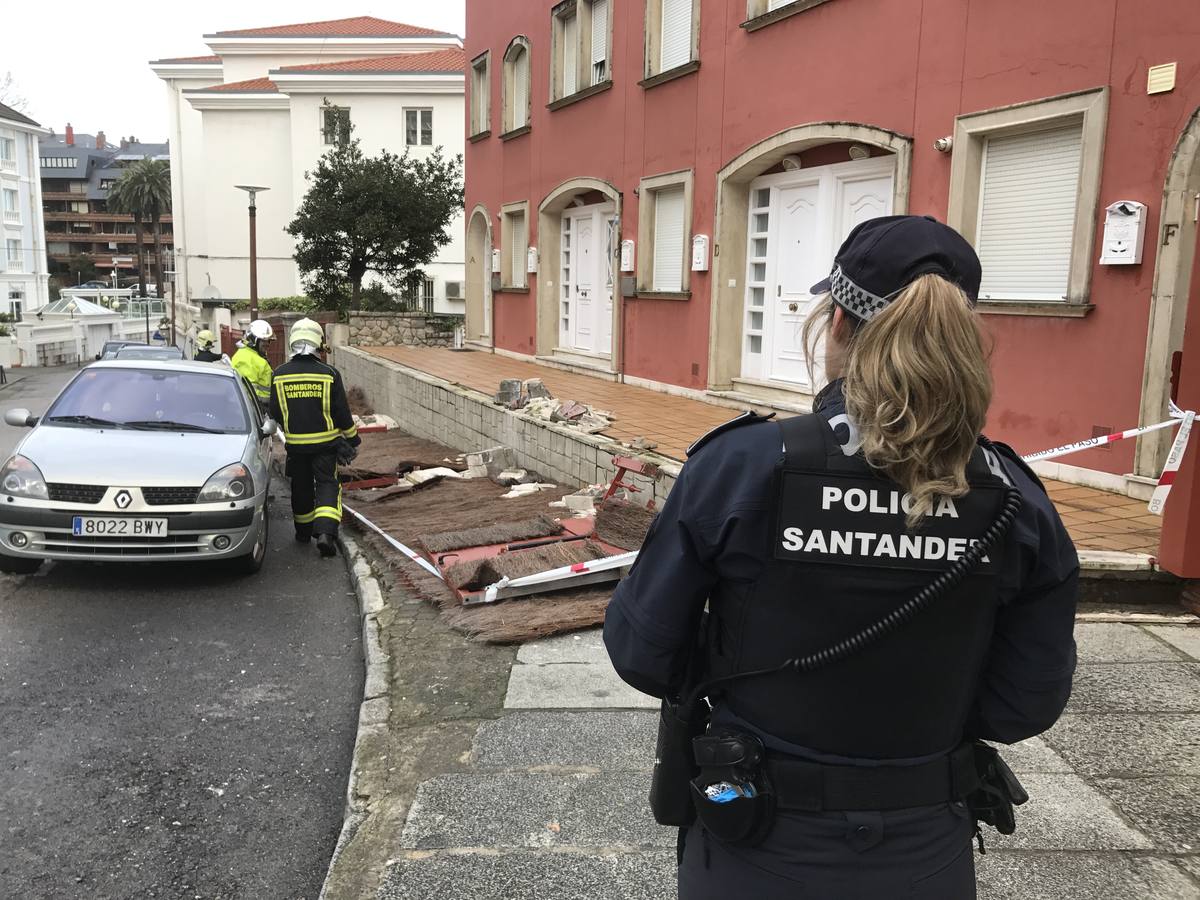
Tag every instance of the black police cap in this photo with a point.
(881, 257)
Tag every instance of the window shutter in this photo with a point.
(668, 240)
(599, 41)
(676, 34)
(570, 55)
(519, 261)
(520, 99)
(1027, 213)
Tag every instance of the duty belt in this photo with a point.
(815, 787)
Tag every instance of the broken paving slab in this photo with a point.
(1116, 642)
(572, 686)
(1080, 876)
(534, 811)
(1032, 756)
(581, 647)
(1128, 744)
(1136, 687)
(1164, 808)
(1065, 813)
(1185, 637)
(526, 876)
(609, 740)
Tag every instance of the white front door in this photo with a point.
(797, 221)
(587, 283)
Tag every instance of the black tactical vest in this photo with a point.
(840, 558)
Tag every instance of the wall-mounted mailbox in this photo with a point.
(495, 260)
(1124, 233)
(531, 261)
(626, 256)
(700, 253)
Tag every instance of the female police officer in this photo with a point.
(801, 533)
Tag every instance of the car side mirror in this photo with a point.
(269, 427)
(20, 418)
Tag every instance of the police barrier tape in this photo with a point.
(407, 551)
(1183, 418)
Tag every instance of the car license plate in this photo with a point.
(112, 526)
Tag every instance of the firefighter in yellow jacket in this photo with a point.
(308, 400)
(251, 359)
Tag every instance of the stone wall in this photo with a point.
(408, 329)
(467, 420)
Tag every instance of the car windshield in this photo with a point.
(148, 353)
(147, 399)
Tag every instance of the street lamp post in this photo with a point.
(252, 189)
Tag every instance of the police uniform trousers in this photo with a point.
(912, 854)
(316, 492)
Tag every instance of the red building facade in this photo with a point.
(653, 184)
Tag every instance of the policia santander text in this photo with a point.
(309, 402)
(795, 543)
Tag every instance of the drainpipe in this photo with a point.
(616, 264)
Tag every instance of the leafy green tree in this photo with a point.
(144, 191)
(385, 214)
(81, 268)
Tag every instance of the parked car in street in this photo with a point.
(110, 348)
(139, 461)
(143, 351)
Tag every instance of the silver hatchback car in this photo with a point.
(139, 461)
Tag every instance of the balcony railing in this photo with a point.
(13, 265)
(12, 217)
(9, 165)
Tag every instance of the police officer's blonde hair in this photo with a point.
(917, 387)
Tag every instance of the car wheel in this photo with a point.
(19, 565)
(253, 561)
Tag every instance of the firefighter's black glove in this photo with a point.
(345, 452)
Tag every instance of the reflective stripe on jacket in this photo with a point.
(257, 371)
(309, 402)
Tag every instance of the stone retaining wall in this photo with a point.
(407, 329)
(428, 407)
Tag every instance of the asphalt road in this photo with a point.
(174, 731)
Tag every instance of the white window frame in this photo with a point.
(654, 71)
(331, 136)
(12, 214)
(514, 71)
(13, 251)
(761, 13)
(647, 197)
(594, 25)
(970, 137)
(421, 112)
(514, 245)
(481, 94)
(565, 32)
(8, 160)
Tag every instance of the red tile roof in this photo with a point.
(436, 61)
(189, 59)
(252, 86)
(359, 26)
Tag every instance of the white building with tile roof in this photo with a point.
(256, 112)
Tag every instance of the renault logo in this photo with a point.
(123, 499)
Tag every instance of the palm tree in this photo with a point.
(121, 199)
(144, 190)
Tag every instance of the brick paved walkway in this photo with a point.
(1097, 520)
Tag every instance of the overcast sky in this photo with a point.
(86, 64)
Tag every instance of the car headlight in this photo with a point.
(21, 478)
(230, 483)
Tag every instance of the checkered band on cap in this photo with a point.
(854, 299)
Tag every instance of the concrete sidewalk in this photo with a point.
(551, 800)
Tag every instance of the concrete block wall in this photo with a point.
(467, 420)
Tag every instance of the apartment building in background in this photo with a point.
(263, 108)
(77, 172)
(24, 278)
(687, 168)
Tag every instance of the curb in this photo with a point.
(375, 709)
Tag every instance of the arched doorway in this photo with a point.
(1174, 283)
(783, 206)
(479, 277)
(578, 303)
